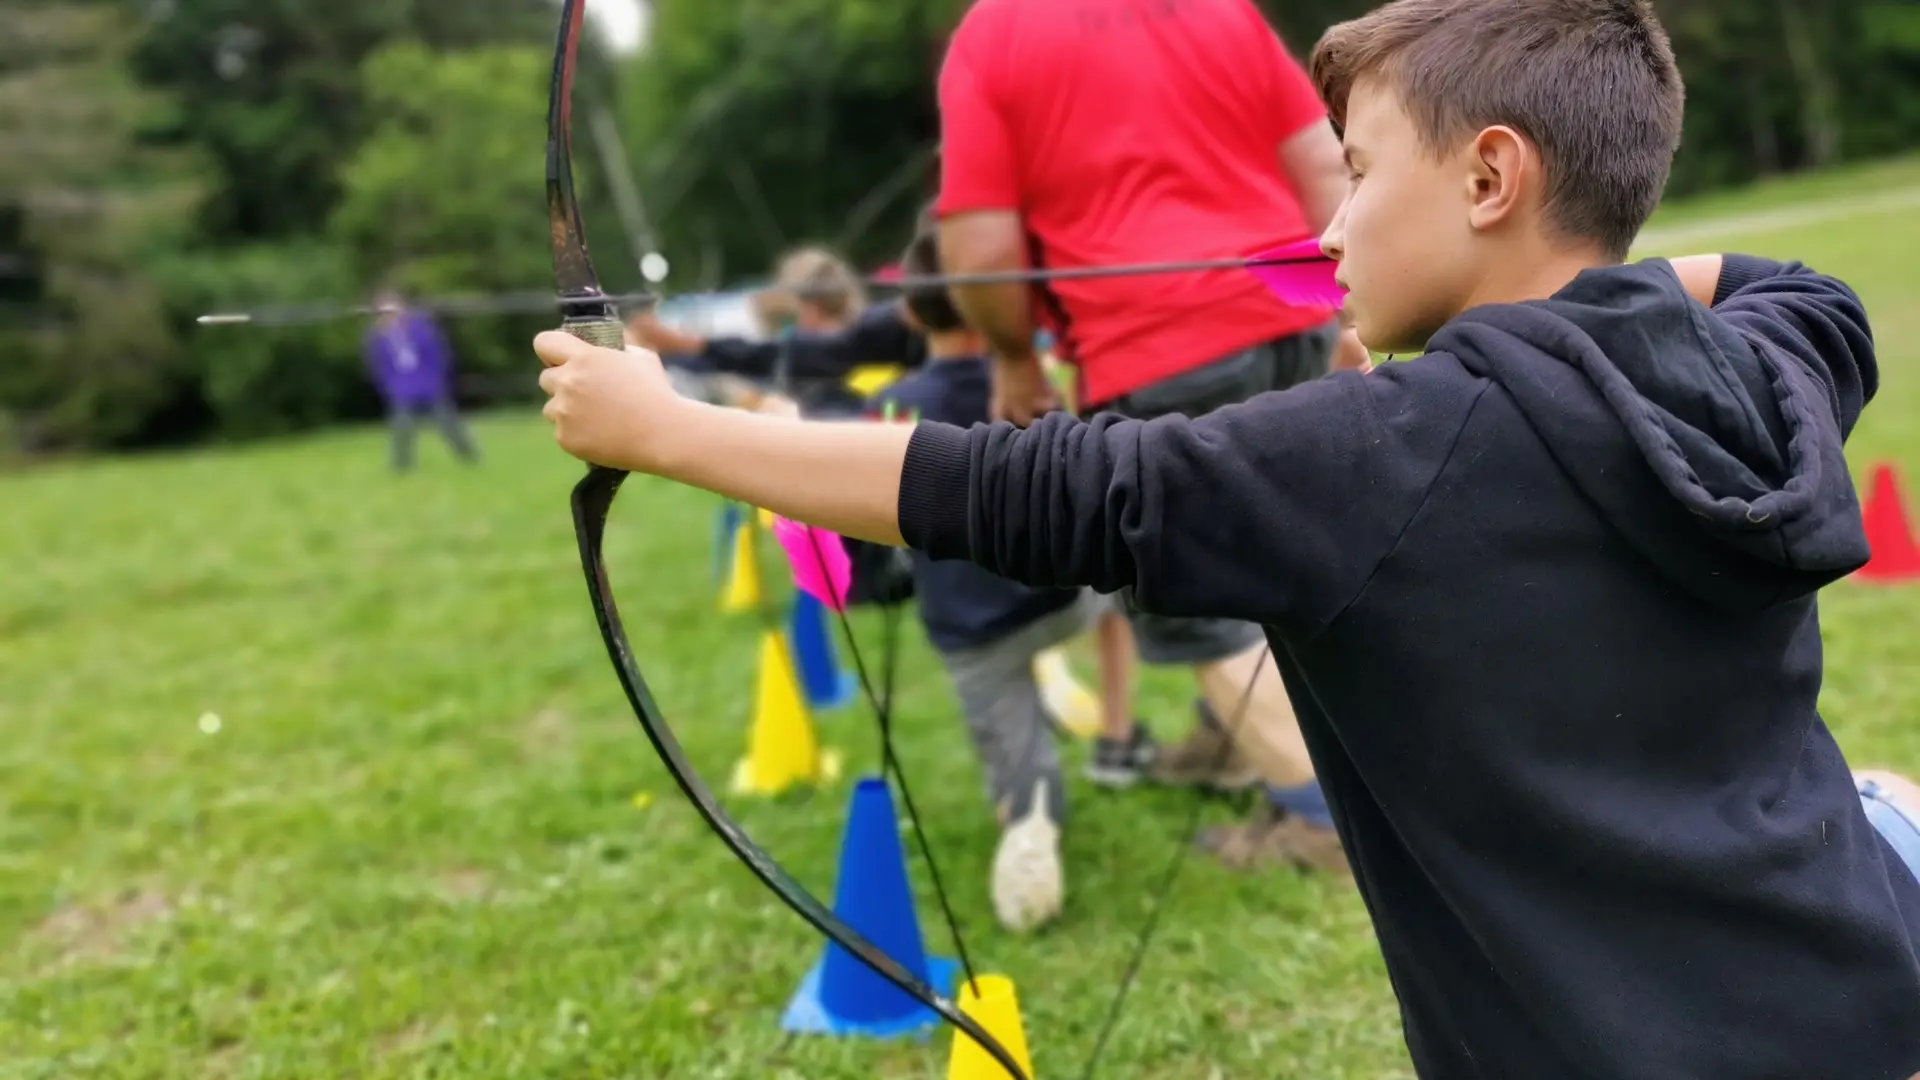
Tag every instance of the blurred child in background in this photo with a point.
(412, 366)
(989, 631)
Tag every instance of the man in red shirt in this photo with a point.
(1098, 132)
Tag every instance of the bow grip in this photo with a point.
(600, 330)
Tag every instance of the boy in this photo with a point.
(1545, 595)
(412, 366)
(987, 629)
(824, 340)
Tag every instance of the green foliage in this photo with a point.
(446, 195)
(82, 203)
(166, 157)
(767, 123)
(265, 381)
(450, 179)
(272, 91)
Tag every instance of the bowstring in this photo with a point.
(890, 761)
(1144, 938)
(882, 703)
(1161, 891)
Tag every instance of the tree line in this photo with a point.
(165, 158)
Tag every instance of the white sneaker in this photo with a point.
(1028, 882)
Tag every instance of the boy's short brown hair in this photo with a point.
(932, 305)
(1592, 83)
(815, 276)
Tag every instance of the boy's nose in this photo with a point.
(1333, 239)
(1332, 244)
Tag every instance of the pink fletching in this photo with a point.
(819, 560)
(1302, 284)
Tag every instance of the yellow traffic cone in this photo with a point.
(990, 1002)
(1071, 704)
(782, 748)
(742, 591)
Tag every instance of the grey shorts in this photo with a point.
(1276, 365)
(1000, 697)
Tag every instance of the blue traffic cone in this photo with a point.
(841, 995)
(828, 685)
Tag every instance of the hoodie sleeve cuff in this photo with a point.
(1739, 271)
(934, 485)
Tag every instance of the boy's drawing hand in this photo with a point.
(607, 407)
(1350, 354)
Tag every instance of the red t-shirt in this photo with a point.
(1127, 131)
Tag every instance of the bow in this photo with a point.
(588, 313)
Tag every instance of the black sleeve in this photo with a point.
(881, 336)
(739, 356)
(1276, 510)
(809, 356)
(1811, 319)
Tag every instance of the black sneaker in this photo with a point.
(1117, 764)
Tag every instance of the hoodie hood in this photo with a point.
(1723, 454)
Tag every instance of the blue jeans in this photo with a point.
(1899, 824)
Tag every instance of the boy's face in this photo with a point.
(1405, 249)
(811, 317)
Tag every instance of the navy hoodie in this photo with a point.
(961, 605)
(1544, 599)
(813, 365)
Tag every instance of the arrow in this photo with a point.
(534, 302)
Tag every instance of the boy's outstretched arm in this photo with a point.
(1275, 510)
(619, 409)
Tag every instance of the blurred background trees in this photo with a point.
(163, 158)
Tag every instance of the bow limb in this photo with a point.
(589, 314)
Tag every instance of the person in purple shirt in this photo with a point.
(412, 365)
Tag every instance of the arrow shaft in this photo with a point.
(529, 302)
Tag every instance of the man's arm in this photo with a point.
(1315, 169)
(980, 226)
(991, 241)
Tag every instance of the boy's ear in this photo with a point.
(1503, 170)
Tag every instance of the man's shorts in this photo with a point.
(1276, 365)
(1898, 823)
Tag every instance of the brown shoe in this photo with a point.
(1204, 759)
(1270, 838)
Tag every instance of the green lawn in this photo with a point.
(412, 847)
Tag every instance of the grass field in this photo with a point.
(412, 848)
